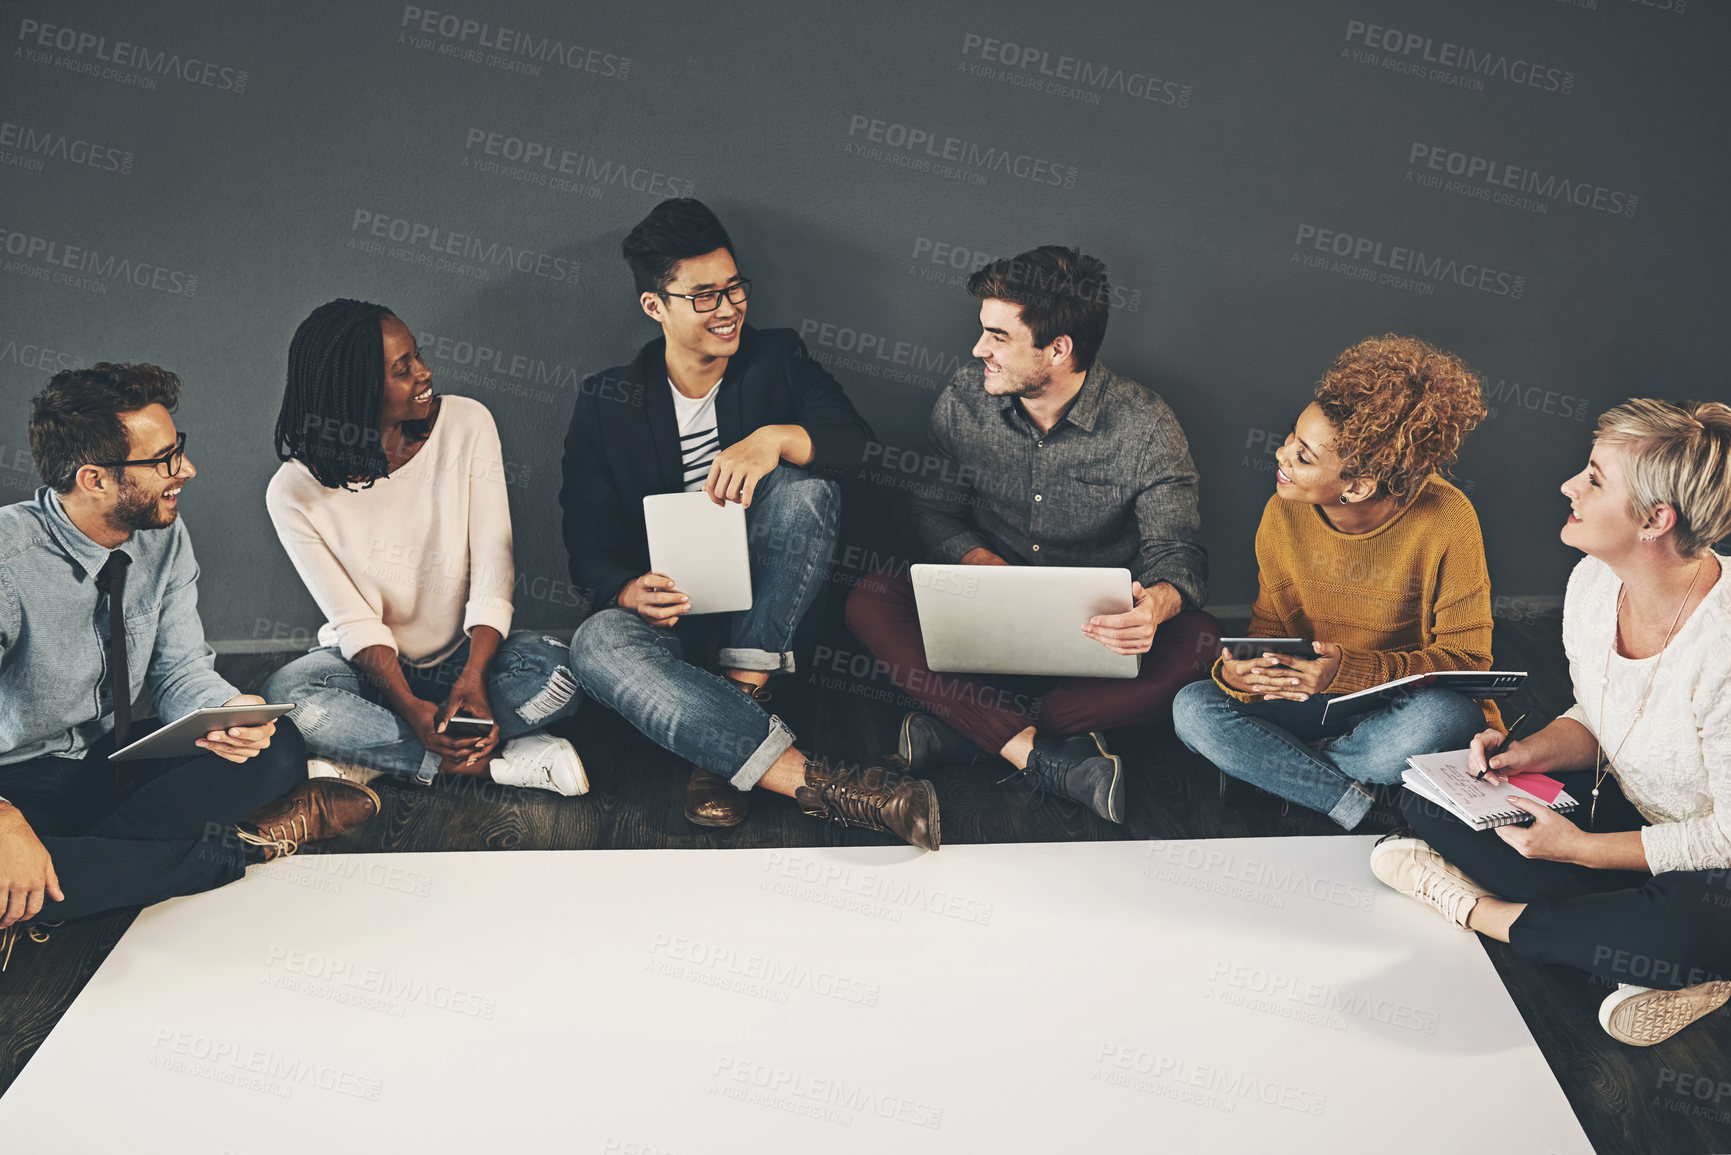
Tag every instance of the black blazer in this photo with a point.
(623, 444)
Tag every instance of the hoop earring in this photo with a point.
(1343, 500)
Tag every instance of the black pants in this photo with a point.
(1664, 931)
(171, 832)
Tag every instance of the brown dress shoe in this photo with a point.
(711, 800)
(883, 798)
(316, 809)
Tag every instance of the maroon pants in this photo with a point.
(989, 710)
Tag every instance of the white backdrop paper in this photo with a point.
(1245, 995)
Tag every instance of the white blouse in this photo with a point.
(1675, 764)
(419, 558)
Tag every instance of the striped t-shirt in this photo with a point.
(698, 440)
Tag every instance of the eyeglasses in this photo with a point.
(707, 302)
(174, 459)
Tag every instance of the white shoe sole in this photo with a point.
(347, 771)
(1116, 790)
(1641, 1017)
(579, 777)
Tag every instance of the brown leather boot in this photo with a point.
(711, 800)
(316, 809)
(873, 798)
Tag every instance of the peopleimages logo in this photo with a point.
(1504, 395)
(547, 161)
(33, 143)
(81, 267)
(1398, 266)
(472, 39)
(880, 351)
(36, 355)
(1495, 180)
(122, 54)
(870, 137)
(1064, 71)
(462, 252)
(1463, 65)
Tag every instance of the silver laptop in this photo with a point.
(1020, 619)
(702, 547)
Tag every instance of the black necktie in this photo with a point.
(112, 577)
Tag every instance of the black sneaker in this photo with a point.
(1081, 769)
(926, 743)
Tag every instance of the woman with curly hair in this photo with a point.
(1635, 888)
(1365, 549)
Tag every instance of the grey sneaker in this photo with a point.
(1081, 769)
(927, 742)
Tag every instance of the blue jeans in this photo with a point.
(1283, 748)
(342, 713)
(644, 673)
(790, 529)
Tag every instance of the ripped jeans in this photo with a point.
(342, 714)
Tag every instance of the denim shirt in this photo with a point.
(1112, 484)
(54, 693)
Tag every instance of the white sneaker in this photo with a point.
(543, 762)
(347, 771)
(1412, 867)
(1641, 1017)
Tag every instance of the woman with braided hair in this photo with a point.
(391, 503)
(1367, 550)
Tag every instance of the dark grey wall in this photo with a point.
(1537, 184)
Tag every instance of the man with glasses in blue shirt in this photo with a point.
(101, 546)
(744, 415)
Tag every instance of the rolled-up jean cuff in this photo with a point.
(737, 658)
(1352, 807)
(778, 742)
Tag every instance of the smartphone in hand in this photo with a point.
(1243, 649)
(463, 726)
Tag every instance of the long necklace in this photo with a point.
(1602, 766)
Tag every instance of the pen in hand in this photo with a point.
(1508, 740)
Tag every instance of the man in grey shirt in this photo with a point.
(1049, 458)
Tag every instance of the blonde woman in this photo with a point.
(1634, 887)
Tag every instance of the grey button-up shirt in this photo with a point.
(54, 692)
(1112, 484)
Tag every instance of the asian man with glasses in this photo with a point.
(745, 415)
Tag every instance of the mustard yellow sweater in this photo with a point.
(1409, 597)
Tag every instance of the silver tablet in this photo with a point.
(702, 547)
(179, 739)
(1020, 619)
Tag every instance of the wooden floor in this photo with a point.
(1627, 1098)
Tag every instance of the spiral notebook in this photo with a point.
(1445, 780)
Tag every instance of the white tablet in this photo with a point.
(702, 547)
(179, 739)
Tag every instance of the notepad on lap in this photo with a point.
(1467, 683)
(1445, 780)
